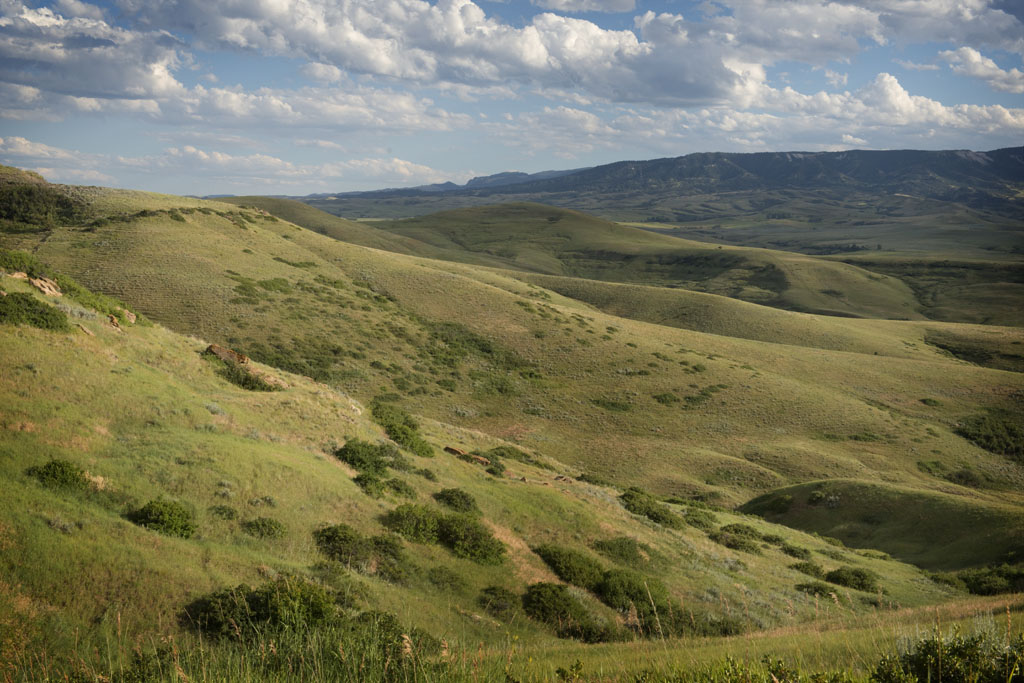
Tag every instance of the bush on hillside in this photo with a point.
(417, 523)
(365, 457)
(167, 517)
(853, 577)
(36, 205)
(623, 550)
(571, 566)
(958, 658)
(632, 593)
(288, 603)
(19, 308)
(499, 602)
(735, 541)
(993, 580)
(445, 579)
(457, 500)
(467, 537)
(997, 432)
(809, 568)
(372, 485)
(401, 428)
(554, 605)
(264, 527)
(343, 544)
(400, 487)
(640, 502)
(60, 474)
(795, 551)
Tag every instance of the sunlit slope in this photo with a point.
(544, 239)
(739, 417)
(910, 524)
(148, 418)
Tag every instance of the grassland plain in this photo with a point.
(482, 359)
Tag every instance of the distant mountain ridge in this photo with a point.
(940, 175)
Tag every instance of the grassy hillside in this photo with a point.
(543, 239)
(704, 417)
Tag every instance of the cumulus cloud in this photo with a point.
(218, 168)
(969, 62)
(84, 56)
(586, 5)
(914, 66)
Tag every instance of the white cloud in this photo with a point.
(913, 66)
(325, 73)
(969, 62)
(586, 5)
(836, 79)
(216, 168)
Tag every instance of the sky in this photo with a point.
(309, 96)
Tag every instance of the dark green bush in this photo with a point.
(371, 485)
(639, 502)
(998, 431)
(167, 517)
(624, 550)
(457, 500)
(667, 398)
(418, 523)
(224, 512)
(735, 541)
(264, 527)
(499, 453)
(993, 580)
(20, 261)
(401, 427)
(572, 566)
(809, 568)
(24, 309)
(700, 518)
(60, 474)
(400, 488)
(467, 537)
(499, 602)
(344, 544)
(795, 551)
(289, 603)
(554, 605)
(446, 579)
(241, 375)
(40, 205)
(629, 591)
(955, 659)
(365, 457)
(853, 577)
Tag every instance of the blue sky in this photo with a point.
(303, 96)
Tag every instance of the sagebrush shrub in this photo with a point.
(264, 527)
(457, 500)
(853, 577)
(418, 523)
(571, 566)
(467, 537)
(60, 474)
(167, 517)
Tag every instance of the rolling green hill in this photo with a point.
(713, 405)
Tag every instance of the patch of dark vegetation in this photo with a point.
(572, 566)
(554, 605)
(499, 453)
(642, 503)
(809, 568)
(994, 580)
(240, 374)
(225, 512)
(457, 500)
(35, 207)
(853, 577)
(596, 480)
(612, 405)
(24, 309)
(167, 517)
(998, 431)
(624, 550)
(978, 658)
(381, 555)
(500, 602)
(401, 428)
(451, 342)
(60, 475)
(264, 527)
(464, 535)
(816, 588)
(445, 579)
(737, 539)
(367, 458)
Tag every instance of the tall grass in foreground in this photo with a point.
(969, 642)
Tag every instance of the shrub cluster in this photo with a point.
(738, 536)
(554, 605)
(167, 517)
(457, 500)
(572, 566)
(401, 428)
(372, 461)
(464, 535)
(998, 432)
(240, 375)
(289, 603)
(986, 580)
(640, 502)
(975, 658)
(19, 308)
(60, 474)
(499, 602)
(623, 550)
(264, 527)
(853, 577)
(375, 555)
